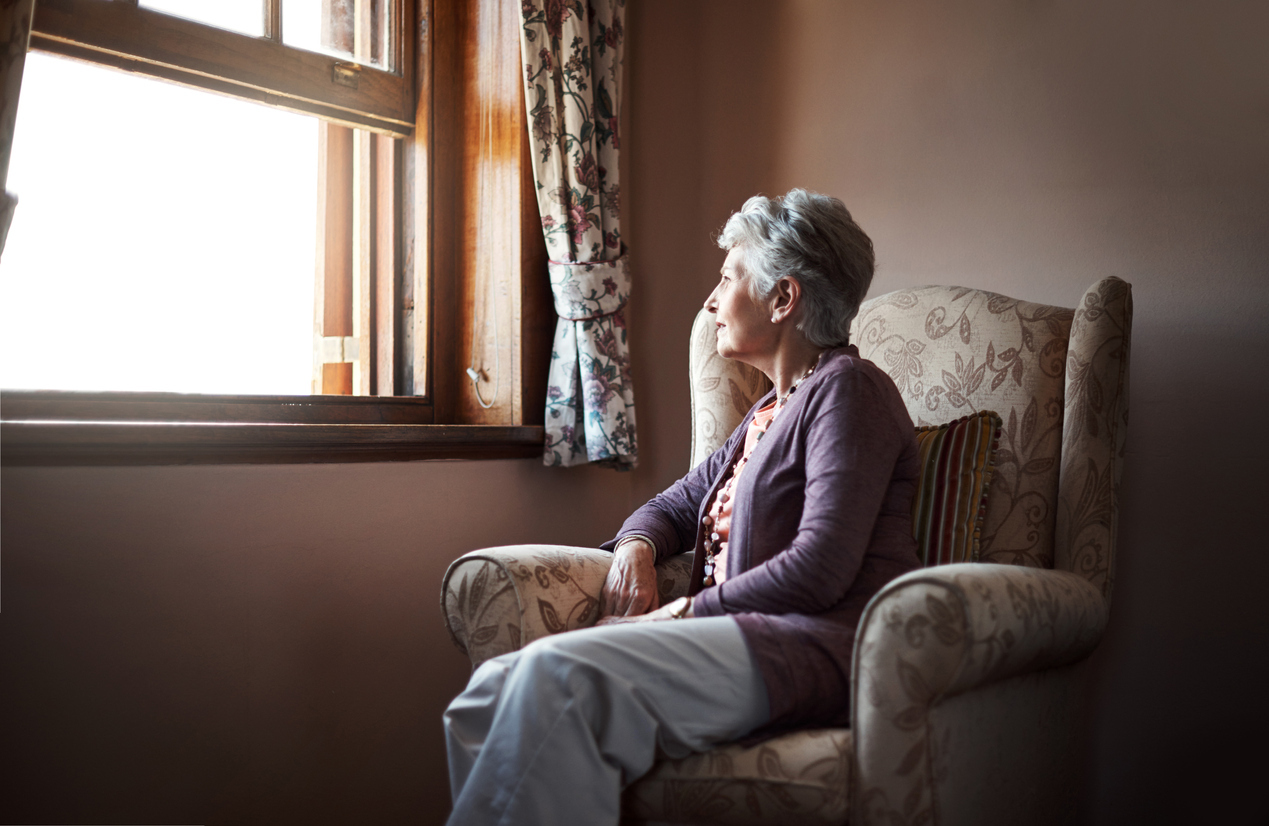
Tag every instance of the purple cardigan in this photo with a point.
(822, 521)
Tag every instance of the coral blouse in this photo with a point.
(721, 511)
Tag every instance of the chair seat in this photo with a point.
(802, 778)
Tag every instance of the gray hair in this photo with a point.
(812, 239)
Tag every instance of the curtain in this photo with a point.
(572, 55)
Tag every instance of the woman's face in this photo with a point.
(745, 330)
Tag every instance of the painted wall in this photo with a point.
(264, 644)
(249, 644)
(1032, 148)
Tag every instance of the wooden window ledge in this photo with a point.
(27, 443)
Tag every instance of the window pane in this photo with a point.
(164, 238)
(246, 16)
(355, 29)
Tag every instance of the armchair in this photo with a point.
(966, 685)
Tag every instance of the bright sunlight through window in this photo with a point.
(164, 238)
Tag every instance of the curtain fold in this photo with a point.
(572, 55)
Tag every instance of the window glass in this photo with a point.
(245, 16)
(164, 238)
(355, 29)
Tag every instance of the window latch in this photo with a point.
(346, 74)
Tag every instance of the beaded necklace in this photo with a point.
(713, 541)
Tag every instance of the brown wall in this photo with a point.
(264, 644)
(249, 644)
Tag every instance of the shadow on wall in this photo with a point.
(1181, 701)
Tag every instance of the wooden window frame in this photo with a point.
(122, 34)
(423, 276)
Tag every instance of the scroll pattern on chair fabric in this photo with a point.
(572, 54)
(497, 600)
(954, 351)
(938, 632)
(1096, 426)
(798, 778)
(723, 390)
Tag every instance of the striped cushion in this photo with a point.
(956, 468)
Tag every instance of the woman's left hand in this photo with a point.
(672, 610)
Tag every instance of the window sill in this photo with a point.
(50, 443)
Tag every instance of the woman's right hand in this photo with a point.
(631, 586)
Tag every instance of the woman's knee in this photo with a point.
(483, 689)
(583, 646)
(547, 653)
(565, 662)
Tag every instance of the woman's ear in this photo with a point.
(785, 299)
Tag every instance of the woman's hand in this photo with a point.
(631, 586)
(678, 609)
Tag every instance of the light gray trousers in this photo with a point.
(552, 733)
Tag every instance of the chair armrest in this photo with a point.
(938, 632)
(498, 599)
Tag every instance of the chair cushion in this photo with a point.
(951, 498)
(802, 778)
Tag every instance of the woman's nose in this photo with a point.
(711, 303)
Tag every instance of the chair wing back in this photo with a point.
(953, 351)
(722, 390)
(1094, 433)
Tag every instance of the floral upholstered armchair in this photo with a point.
(966, 686)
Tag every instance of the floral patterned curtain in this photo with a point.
(572, 54)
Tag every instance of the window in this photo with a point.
(177, 276)
(429, 259)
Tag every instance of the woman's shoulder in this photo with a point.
(849, 378)
(840, 365)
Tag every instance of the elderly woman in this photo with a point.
(796, 521)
